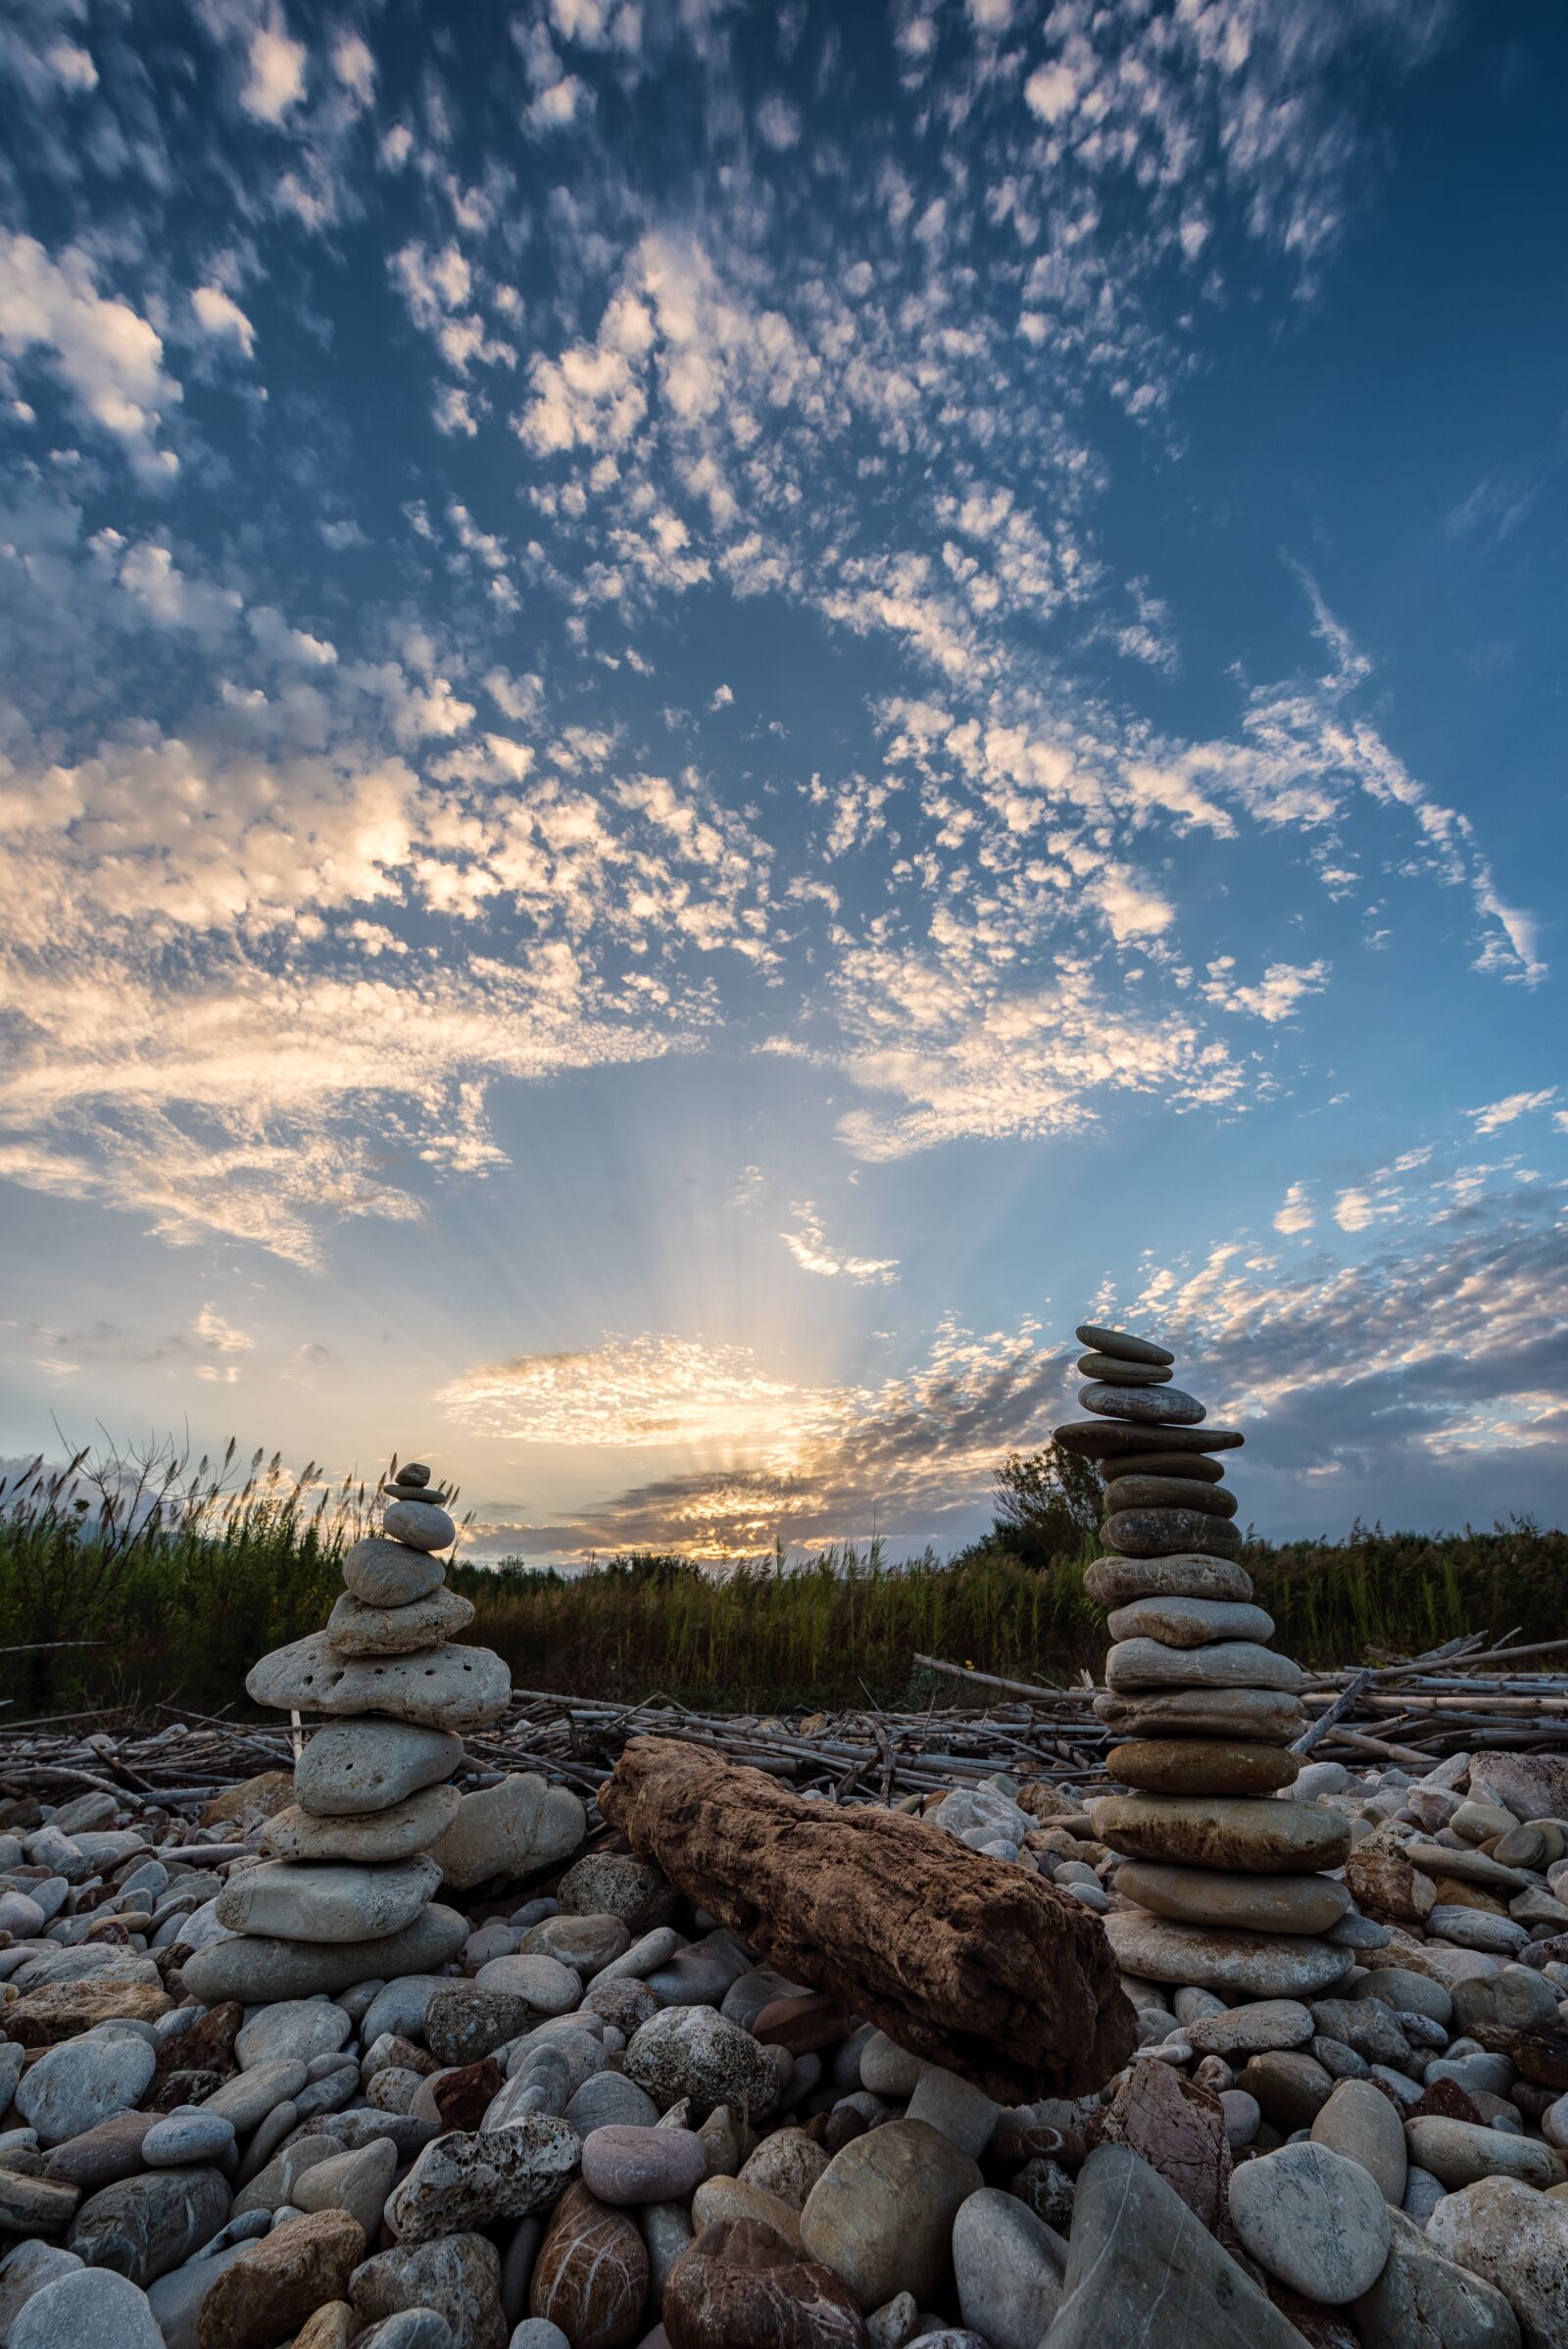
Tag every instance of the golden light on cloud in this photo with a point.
(636, 1391)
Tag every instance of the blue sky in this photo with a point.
(708, 714)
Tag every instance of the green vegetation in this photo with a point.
(180, 1577)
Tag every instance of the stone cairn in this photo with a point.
(1221, 1868)
(346, 1895)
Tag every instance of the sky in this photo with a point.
(711, 714)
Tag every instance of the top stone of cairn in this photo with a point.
(1122, 1346)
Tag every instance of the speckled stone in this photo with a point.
(354, 1629)
(396, 1834)
(356, 1765)
(454, 1688)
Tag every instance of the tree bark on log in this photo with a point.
(967, 1961)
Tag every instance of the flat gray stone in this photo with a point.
(1190, 1622)
(1360, 2122)
(1214, 1959)
(1123, 1346)
(358, 2181)
(1258, 1716)
(24, 2271)
(327, 1900)
(1269, 2025)
(258, 1970)
(1120, 1581)
(142, 2226)
(296, 2031)
(1462, 2152)
(358, 1766)
(452, 1687)
(395, 1834)
(1475, 1928)
(1314, 2220)
(355, 1630)
(1142, 2273)
(182, 2139)
(92, 2309)
(1147, 1406)
(74, 2086)
(1225, 1664)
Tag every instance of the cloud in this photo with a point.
(1398, 1383)
(808, 1244)
(1497, 1114)
(219, 314)
(1276, 996)
(1297, 1213)
(805, 1465)
(212, 1331)
(274, 84)
(637, 1392)
(108, 356)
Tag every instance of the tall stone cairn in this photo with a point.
(345, 1894)
(1221, 1868)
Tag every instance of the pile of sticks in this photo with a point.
(1469, 1692)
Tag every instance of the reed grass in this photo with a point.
(179, 1575)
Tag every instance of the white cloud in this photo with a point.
(778, 124)
(71, 65)
(1052, 91)
(219, 313)
(633, 1393)
(275, 80)
(220, 1336)
(354, 66)
(1354, 1210)
(1277, 996)
(1297, 1213)
(808, 1244)
(110, 358)
(1497, 1114)
(806, 1463)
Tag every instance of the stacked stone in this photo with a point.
(1221, 1870)
(346, 1895)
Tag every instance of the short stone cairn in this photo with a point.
(1222, 1866)
(346, 1892)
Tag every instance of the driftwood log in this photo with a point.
(969, 1962)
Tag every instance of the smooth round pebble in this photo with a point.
(1315, 2220)
(193, 2136)
(625, 2165)
(92, 2309)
